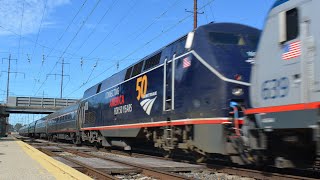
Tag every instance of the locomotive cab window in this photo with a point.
(289, 25)
(226, 38)
(128, 73)
(98, 88)
(137, 69)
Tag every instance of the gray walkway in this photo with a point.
(16, 164)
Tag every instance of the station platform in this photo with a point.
(19, 160)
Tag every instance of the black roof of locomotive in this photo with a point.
(217, 27)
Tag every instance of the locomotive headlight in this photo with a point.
(237, 91)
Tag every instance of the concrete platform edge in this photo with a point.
(56, 168)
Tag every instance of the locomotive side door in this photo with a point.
(81, 115)
(168, 84)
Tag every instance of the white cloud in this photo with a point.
(11, 14)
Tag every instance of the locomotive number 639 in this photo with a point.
(275, 88)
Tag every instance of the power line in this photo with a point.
(137, 49)
(43, 13)
(156, 19)
(94, 67)
(114, 28)
(21, 26)
(148, 26)
(96, 25)
(212, 12)
(31, 40)
(63, 33)
(59, 39)
(131, 8)
(83, 23)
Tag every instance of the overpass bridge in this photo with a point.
(34, 105)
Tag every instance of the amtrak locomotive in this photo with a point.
(177, 98)
(283, 125)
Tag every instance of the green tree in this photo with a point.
(10, 128)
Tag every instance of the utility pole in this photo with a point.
(8, 73)
(195, 14)
(62, 65)
(8, 79)
(62, 76)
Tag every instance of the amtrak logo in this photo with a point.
(147, 99)
(147, 104)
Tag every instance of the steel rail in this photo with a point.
(145, 170)
(228, 169)
(84, 168)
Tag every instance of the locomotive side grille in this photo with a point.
(90, 117)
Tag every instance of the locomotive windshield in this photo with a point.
(253, 40)
(226, 38)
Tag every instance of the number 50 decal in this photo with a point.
(141, 86)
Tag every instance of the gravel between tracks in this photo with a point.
(209, 175)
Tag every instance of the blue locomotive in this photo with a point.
(177, 98)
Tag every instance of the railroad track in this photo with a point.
(257, 174)
(151, 172)
(99, 173)
(142, 169)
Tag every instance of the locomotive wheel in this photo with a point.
(235, 153)
(167, 153)
(98, 145)
(198, 157)
(76, 140)
(55, 138)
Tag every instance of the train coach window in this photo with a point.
(137, 69)
(152, 62)
(128, 73)
(289, 25)
(226, 38)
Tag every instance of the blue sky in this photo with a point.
(103, 33)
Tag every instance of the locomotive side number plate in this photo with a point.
(275, 88)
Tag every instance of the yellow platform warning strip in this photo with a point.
(56, 168)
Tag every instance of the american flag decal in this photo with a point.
(186, 62)
(291, 50)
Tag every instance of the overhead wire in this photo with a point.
(148, 26)
(125, 16)
(22, 14)
(59, 39)
(213, 18)
(35, 44)
(157, 18)
(96, 25)
(30, 40)
(83, 23)
(114, 28)
(137, 49)
(43, 13)
(67, 28)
